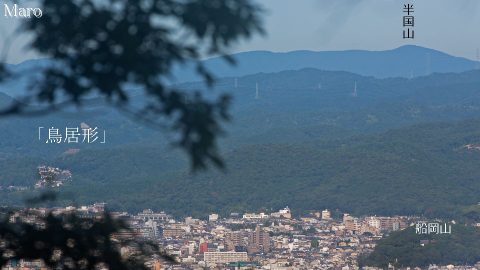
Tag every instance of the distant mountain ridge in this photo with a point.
(406, 61)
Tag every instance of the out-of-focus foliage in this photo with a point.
(107, 48)
(70, 241)
(111, 49)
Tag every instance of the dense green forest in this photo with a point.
(403, 249)
(402, 171)
(396, 148)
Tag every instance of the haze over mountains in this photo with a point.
(406, 61)
(308, 138)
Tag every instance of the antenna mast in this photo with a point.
(477, 65)
(428, 71)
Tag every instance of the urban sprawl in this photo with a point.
(273, 241)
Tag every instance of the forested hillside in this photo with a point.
(403, 249)
(306, 141)
(423, 169)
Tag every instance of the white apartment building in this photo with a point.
(216, 258)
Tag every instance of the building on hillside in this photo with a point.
(255, 216)
(386, 224)
(283, 213)
(352, 224)
(213, 217)
(148, 214)
(326, 215)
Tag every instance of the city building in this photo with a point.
(213, 217)
(220, 258)
(148, 214)
(282, 213)
(255, 216)
(258, 241)
(173, 232)
(326, 215)
(236, 239)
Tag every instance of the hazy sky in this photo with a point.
(452, 26)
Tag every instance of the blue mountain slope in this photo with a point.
(405, 61)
